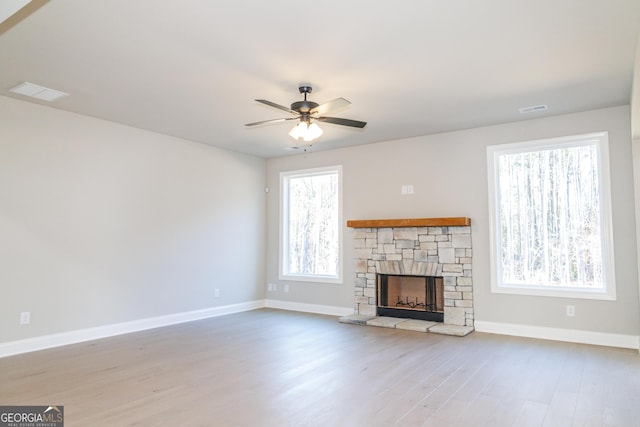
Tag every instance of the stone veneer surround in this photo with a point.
(420, 251)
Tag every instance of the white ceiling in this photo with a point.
(192, 68)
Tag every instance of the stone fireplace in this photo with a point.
(426, 247)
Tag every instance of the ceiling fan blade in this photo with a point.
(334, 105)
(343, 122)
(271, 121)
(278, 106)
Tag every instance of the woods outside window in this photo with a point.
(311, 215)
(550, 217)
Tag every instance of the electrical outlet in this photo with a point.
(571, 310)
(406, 189)
(25, 317)
(286, 288)
(216, 293)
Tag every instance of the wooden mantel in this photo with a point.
(409, 222)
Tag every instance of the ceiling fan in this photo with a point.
(307, 113)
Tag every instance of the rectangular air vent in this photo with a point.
(534, 109)
(38, 92)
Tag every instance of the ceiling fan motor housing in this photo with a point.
(305, 106)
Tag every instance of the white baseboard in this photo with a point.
(308, 308)
(72, 337)
(65, 338)
(555, 334)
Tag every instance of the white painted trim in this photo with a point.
(11, 7)
(65, 338)
(309, 308)
(556, 334)
(601, 142)
(72, 337)
(285, 178)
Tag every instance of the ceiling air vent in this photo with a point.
(38, 92)
(534, 109)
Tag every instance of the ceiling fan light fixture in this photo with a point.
(298, 130)
(305, 131)
(313, 132)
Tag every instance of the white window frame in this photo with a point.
(606, 227)
(284, 229)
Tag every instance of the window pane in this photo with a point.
(313, 225)
(550, 217)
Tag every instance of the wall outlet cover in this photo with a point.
(25, 317)
(571, 310)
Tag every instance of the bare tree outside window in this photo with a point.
(549, 215)
(311, 224)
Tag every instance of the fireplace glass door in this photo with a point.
(413, 297)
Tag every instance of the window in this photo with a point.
(311, 217)
(550, 217)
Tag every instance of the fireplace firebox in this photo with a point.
(412, 297)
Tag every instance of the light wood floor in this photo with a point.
(277, 368)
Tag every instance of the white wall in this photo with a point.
(635, 95)
(635, 134)
(102, 223)
(448, 172)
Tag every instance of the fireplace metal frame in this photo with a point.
(382, 293)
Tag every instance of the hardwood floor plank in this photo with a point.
(277, 368)
(532, 414)
(561, 409)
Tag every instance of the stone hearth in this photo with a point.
(408, 324)
(443, 250)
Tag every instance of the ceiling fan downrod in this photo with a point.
(303, 107)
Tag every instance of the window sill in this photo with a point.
(315, 279)
(554, 292)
